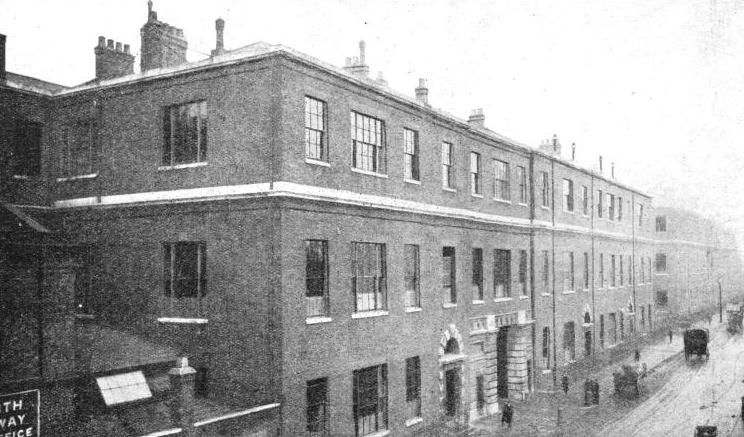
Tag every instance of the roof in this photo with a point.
(32, 84)
(263, 49)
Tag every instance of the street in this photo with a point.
(698, 392)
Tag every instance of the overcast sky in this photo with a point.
(652, 85)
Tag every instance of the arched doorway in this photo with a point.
(451, 373)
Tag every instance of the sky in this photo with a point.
(654, 86)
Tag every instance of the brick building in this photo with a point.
(332, 257)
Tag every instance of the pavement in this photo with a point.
(553, 413)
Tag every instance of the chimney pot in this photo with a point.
(126, 48)
(118, 46)
(477, 119)
(362, 46)
(422, 92)
(110, 43)
(573, 151)
(612, 169)
(101, 41)
(219, 25)
(600, 164)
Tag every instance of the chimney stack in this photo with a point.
(600, 164)
(2, 57)
(357, 66)
(477, 119)
(422, 92)
(163, 45)
(112, 59)
(219, 48)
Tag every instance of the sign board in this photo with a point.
(19, 414)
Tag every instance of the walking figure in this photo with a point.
(670, 336)
(564, 383)
(506, 416)
(637, 355)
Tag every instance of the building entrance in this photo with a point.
(502, 376)
(587, 343)
(451, 391)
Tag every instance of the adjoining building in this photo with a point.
(331, 257)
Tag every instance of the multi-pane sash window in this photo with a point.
(501, 190)
(477, 285)
(370, 400)
(368, 143)
(25, 159)
(413, 387)
(584, 200)
(622, 325)
(77, 149)
(630, 270)
(619, 209)
(546, 271)
(316, 277)
(640, 215)
(546, 347)
(622, 274)
(412, 276)
(613, 328)
(185, 274)
(449, 275)
(601, 271)
(317, 407)
(568, 195)
(523, 272)
(600, 204)
(316, 143)
(522, 180)
(501, 273)
(448, 169)
(643, 271)
(661, 223)
(650, 276)
(569, 281)
(569, 341)
(545, 192)
(411, 154)
(185, 134)
(586, 271)
(611, 206)
(612, 271)
(369, 276)
(475, 178)
(601, 331)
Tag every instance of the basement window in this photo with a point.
(123, 388)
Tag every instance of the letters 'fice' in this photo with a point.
(331, 256)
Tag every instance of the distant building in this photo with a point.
(332, 257)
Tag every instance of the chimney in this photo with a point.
(112, 59)
(358, 66)
(2, 57)
(556, 145)
(219, 47)
(573, 151)
(600, 164)
(477, 119)
(422, 92)
(381, 79)
(163, 45)
(612, 170)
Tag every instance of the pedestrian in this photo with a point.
(637, 355)
(506, 416)
(564, 383)
(670, 336)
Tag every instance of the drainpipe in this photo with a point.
(552, 265)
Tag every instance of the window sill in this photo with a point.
(448, 189)
(522, 204)
(180, 166)
(317, 319)
(502, 299)
(479, 196)
(449, 305)
(317, 162)
(85, 316)
(478, 302)
(183, 320)
(414, 421)
(367, 314)
(78, 177)
(22, 177)
(369, 173)
(568, 292)
(547, 208)
(523, 297)
(546, 294)
(547, 371)
(569, 362)
(378, 433)
(504, 201)
(413, 309)
(412, 181)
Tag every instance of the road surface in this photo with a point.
(698, 392)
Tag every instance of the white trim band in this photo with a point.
(236, 414)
